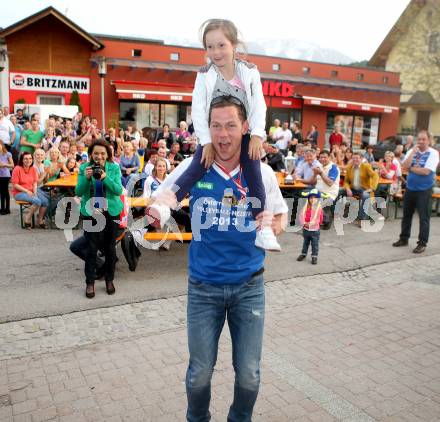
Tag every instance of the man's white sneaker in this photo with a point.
(161, 212)
(266, 240)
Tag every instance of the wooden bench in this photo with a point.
(436, 198)
(24, 205)
(157, 236)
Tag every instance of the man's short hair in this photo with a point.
(325, 151)
(359, 154)
(228, 101)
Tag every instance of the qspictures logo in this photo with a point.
(18, 80)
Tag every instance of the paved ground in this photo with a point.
(41, 277)
(358, 345)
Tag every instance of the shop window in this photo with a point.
(136, 52)
(175, 57)
(306, 70)
(50, 99)
(433, 43)
(360, 77)
(358, 130)
(334, 73)
(276, 67)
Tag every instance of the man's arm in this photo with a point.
(420, 171)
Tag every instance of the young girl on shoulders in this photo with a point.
(227, 76)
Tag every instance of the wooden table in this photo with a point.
(66, 182)
(297, 185)
(144, 202)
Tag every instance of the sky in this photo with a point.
(353, 27)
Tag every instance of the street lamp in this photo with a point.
(102, 71)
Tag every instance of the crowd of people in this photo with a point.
(33, 153)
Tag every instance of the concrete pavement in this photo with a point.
(360, 345)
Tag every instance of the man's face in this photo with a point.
(175, 148)
(162, 152)
(20, 113)
(64, 148)
(309, 156)
(324, 159)
(299, 151)
(34, 125)
(422, 141)
(227, 130)
(356, 160)
(285, 125)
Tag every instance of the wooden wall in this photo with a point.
(48, 46)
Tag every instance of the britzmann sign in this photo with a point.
(49, 83)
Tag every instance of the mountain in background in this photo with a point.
(287, 48)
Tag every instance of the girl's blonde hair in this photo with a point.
(227, 27)
(159, 159)
(39, 150)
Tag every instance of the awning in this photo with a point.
(153, 91)
(349, 105)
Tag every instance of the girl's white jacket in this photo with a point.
(202, 96)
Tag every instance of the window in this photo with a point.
(385, 79)
(175, 57)
(334, 73)
(360, 77)
(306, 70)
(136, 52)
(50, 99)
(276, 67)
(433, 43)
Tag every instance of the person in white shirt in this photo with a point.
(7, 131)
(421, 162)
(282, 137)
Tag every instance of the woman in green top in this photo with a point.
(99, 186)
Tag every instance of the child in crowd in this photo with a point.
(311, 217)
(227, 76)
(72, 166)
(368, 156)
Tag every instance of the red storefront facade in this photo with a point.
(151, 83)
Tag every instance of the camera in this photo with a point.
(97, 171)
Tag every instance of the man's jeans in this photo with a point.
(364, 196)
(420, 201)
(208, 307)
(311, 237)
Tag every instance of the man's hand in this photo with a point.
(207, 155)
(277, 222)
(255, 148)
(168, 198)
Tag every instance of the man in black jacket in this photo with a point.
(273, 157)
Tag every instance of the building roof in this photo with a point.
(127, 38)
(274, 76)
(51, 11)
(380, 57)
(421, 98)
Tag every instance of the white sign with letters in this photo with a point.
(48, 83)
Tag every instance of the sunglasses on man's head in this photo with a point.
(228, 99)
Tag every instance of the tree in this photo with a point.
(74, 100)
